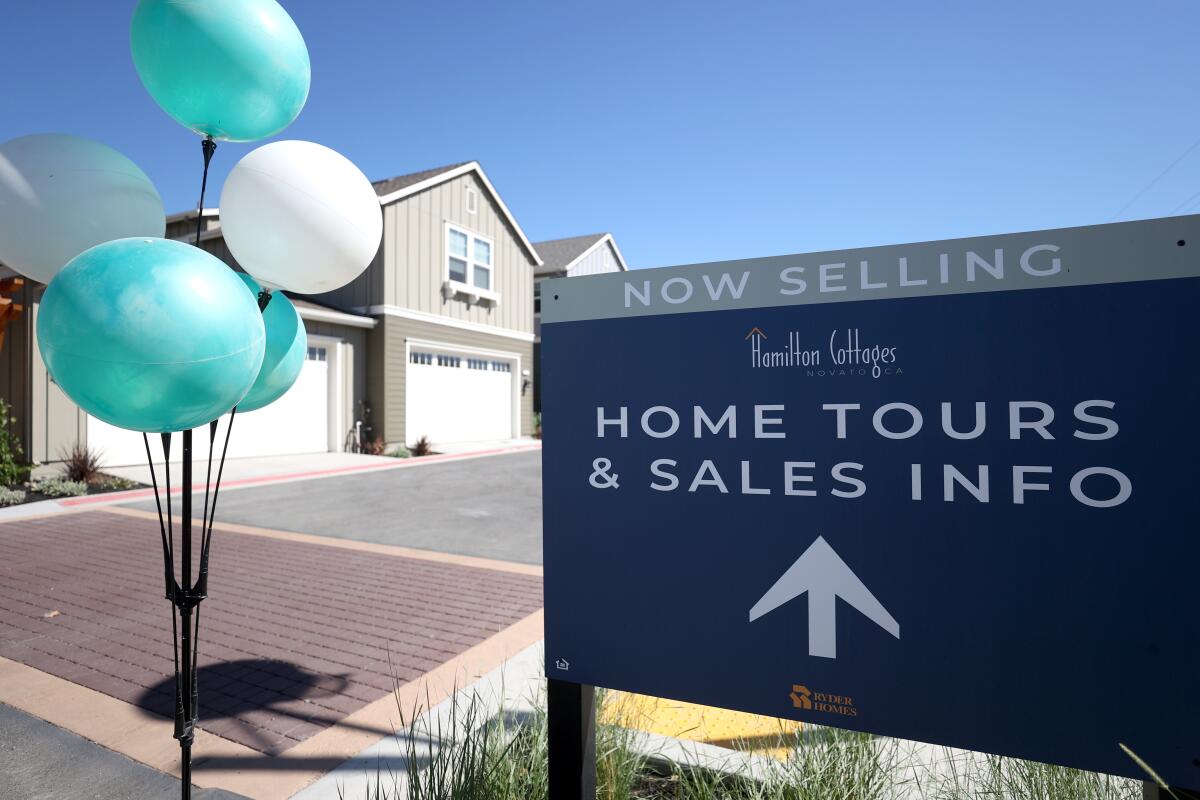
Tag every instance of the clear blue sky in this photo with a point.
(696, 131)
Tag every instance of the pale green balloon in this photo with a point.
(230, 69)
(287, 345)
(150, 334)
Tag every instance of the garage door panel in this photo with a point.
(465, 401)
(298, 422)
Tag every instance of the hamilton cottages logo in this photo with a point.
(807, 700)
(846, 353)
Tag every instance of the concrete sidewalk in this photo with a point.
(241, 469)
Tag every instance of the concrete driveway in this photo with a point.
(488, 507)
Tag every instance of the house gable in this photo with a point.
(602, 257)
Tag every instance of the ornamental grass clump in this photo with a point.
(479, 753)
(81, 465)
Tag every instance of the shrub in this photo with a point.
(59, 487)
(422, 447)
(11, 497)
(113, 483)
(376, 447)
(12, 470)
(399, 452)
(81, 464)
(537, 425)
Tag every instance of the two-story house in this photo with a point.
(435, 339)
(451, 357)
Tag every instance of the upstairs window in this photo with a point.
(481, 274)
(468, 258)
(456, 246)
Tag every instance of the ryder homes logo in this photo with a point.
(846, 354)
(807, 700)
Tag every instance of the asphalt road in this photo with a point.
(488, 507)
(41, 762)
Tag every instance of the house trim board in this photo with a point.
(437, 319)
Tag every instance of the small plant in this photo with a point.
(422, 447)
(376, 447)
(537, 425)
(12, 470)
(399, 452)
(81, 464)
(11, 497)
(59, 487)
(112, 483)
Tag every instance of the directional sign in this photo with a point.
(825, 577)
(942, 491)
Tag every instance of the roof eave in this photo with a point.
(191, 214)
(451, 174)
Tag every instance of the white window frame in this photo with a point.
(468, 288)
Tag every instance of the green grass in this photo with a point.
(505, 759)
(991, 776)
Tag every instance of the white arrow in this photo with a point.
(822, 573)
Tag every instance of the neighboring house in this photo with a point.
(592, 254)
(434, 339)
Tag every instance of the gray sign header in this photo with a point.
(1125, 251)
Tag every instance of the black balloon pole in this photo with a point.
(184, 593)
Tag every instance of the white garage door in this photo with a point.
(455, 396)
(298, 422)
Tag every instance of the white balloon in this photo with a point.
(61, 194)
(300, 216)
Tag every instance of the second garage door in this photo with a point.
(298, 422)
(458, 396)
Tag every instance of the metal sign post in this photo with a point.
(571, 722)
(941, 491)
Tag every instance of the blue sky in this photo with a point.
(697, 131)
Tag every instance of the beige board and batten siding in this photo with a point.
(389, 368)
(411, 269)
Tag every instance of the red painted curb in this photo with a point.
(134, 494)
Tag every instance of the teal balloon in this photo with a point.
(150, 334)
(287, 345)
(231, 69)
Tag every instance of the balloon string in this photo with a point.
(209, 147)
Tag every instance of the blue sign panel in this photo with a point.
(965, 517)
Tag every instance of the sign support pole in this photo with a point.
(571, 723)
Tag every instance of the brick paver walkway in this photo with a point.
(293, 637)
